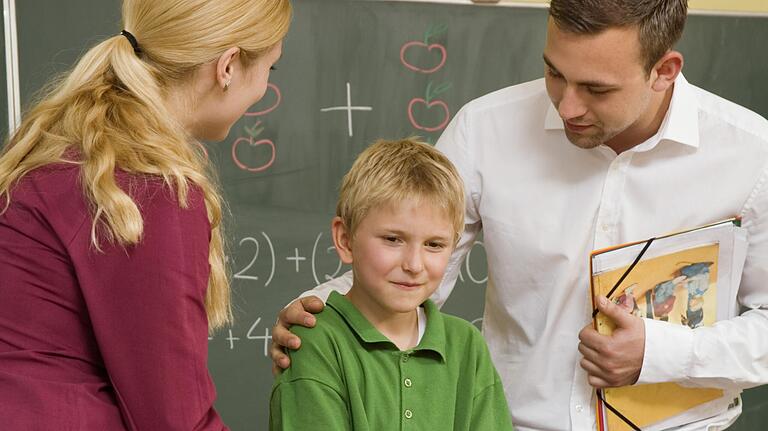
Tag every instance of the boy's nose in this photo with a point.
(413, 261)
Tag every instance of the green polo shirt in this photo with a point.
(348, 376)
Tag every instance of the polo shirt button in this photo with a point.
(405, 358)
(408, 383)
(408, 414)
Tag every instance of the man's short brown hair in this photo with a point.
(660, 23)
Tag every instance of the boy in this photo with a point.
(383, 357)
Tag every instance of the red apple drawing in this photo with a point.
(253, 143)
(418, 44)
(278, 99)
(438, 103)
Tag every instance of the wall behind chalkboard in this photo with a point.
(354, 71)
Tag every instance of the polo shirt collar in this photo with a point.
(434, 335)
(680, 125)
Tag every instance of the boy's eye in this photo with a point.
(437, 245)
(391, 238)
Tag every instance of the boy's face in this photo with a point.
(398, 253)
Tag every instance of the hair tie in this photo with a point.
(132, 40)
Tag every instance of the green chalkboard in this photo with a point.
(283, 160)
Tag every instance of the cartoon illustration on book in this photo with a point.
(670, 288)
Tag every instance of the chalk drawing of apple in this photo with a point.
(429, 102)
(253, 146)
(415, 44)
(275, 104)
(446, 114)
(421, 45)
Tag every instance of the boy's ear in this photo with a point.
(342, 240)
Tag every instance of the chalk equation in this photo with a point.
(258, 260)
(253, 334)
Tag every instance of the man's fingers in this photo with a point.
(280, 363)
(620, 315)
(591, 368)
(295, 314)
(597, 382)
(312, 304)
(283, 337)
(589, 353)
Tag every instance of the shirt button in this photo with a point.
(407, 383)
(579, 408)
(408, 414)
(404, 358)
(606, 228)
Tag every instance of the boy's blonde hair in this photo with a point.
(389, 172)
(111, 111)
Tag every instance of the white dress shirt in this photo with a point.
(544, 204)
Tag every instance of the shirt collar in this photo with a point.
(433, 339)
(681, 123)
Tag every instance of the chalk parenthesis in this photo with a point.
(441, 48)
(439, 103)
(250, 142)
(279, 95)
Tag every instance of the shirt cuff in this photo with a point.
(668, 352)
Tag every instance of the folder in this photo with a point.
(689, 277)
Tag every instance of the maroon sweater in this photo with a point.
(109, 340)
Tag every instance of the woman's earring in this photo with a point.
(226, 86)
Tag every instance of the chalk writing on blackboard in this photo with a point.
(251, 335)
(243, 273)
(266, 338)
(315, 257)
(296, 258)
(467, 268)
(349, 108)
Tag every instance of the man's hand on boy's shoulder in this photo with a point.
(299, 312)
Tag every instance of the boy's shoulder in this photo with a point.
(320, 347)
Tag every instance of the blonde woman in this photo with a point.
(111, 262)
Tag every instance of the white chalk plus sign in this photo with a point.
(296, 258)
(349, 108)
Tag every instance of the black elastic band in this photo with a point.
(616, 412)
(132, 40)
(626, 273)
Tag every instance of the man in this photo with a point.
(613, 145)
